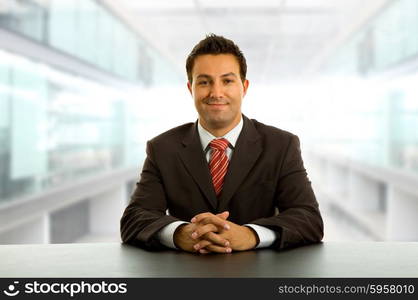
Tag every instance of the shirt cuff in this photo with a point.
(266, 236)
(166, 234)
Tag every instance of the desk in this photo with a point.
(356, 259)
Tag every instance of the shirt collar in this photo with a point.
(206, 137)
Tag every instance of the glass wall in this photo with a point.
(26, 17)
(84, 29)
(369, 92)
(56, 127)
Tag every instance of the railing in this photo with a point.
(380, 202)
(29, 219)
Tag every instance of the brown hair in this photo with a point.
(216, 44)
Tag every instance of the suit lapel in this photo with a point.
(194, 160)
(247, 150)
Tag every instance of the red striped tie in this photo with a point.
(218, 163)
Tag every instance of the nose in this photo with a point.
(216, 90)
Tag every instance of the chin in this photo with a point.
(219, 122)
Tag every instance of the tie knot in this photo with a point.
(219, 144)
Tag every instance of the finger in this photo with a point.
(200, 216)
(208, 246)
(206, 242)
(217, 221)
(202, 230)
(204, 251)
(201, 244)
(216, 239)
(224, 215)
(218, 249)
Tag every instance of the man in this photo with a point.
(225, 183)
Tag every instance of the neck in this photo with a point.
(220, 131)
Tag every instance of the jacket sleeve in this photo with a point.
(146, 213)
(298, 221)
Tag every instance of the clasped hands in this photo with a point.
(214, 233)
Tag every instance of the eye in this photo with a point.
(203, 82)
(228, 81)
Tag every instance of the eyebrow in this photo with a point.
(224, 75)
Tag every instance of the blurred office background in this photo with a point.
(85, 83)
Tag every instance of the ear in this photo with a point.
(246, 84)
(189, 86)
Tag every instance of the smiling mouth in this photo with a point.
(217, 104)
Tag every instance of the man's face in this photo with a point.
(217, 90)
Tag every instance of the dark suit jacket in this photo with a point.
(266, 184)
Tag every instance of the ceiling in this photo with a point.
(281, 40)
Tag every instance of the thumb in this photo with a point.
(224, 215)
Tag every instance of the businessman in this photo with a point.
(226, 182)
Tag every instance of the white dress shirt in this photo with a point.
(266, 236)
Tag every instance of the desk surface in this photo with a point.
(356, 259)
